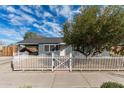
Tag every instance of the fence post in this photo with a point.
(52, 61)
(117, 60)
(12, 67)
(42, 60)
(70, 63)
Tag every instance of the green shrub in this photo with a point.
(26, 86)
(111, 85)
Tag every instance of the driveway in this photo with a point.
(58, 79)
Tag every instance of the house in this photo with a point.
(40, 46)
(45, 46)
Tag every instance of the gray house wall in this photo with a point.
(41, 49)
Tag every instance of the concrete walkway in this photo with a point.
(58, 79)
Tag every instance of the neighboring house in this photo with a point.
(117, 50)
(43, 46)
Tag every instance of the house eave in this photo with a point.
(27, 43)
(62, 43)
(39, 43)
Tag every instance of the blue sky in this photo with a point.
(47, 21)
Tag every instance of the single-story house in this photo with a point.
(43, 46)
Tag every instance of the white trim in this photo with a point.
(51, 44)
(62, 43)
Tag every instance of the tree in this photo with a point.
(29, 35)
(96, 28)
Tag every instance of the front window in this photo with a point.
(57, 47)
(47, 48)
(52, 47)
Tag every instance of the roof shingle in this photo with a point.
(41, 41)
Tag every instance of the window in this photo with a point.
(57, 47)
(52, 47)
(46, 47)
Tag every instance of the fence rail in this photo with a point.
(32, 63)
(67, 63)
(98, 63)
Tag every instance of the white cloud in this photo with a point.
(26, 9)
(7, 41)
(38, 11)
(24, 17)
(21, 20)
(11, 9)
(61, 10)
(55, 27)
(14, 21)
(69, 13)
(55, 8)
(28, 18)
(47, 14)
(17, 17)
(43, 28)
(36, 25)
(77, 11)
(38, 7)
(65, 11)
(10, 33)
(11, 16)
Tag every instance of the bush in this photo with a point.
(26, 86)
(111, 85)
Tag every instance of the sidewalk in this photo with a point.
(59, 79)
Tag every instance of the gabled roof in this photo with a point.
(42, 41)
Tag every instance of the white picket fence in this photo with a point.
(70, 63)
(98, 63)
(32, 63)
